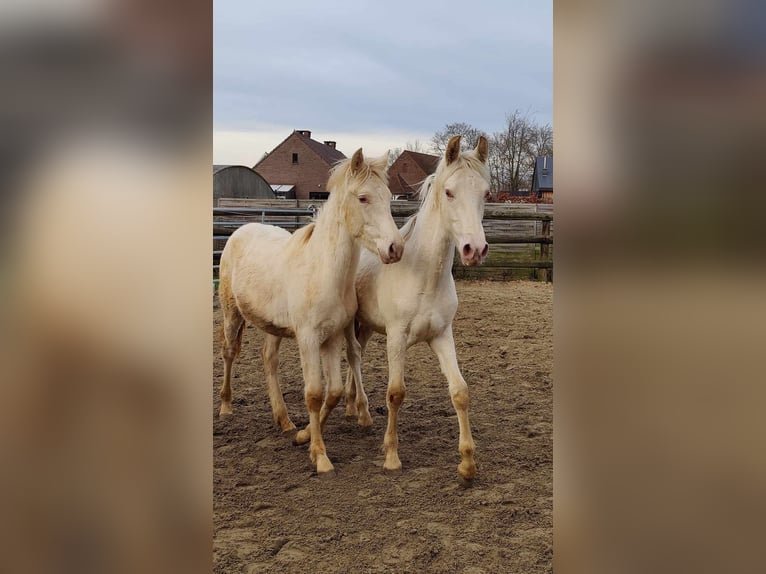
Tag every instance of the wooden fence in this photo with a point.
(520, 235)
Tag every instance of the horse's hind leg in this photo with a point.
(233, 325)
(357, 405)
(270, 354)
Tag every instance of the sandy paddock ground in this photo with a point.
(273, 514)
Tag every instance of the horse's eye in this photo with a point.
(449, 193)
(363, 199)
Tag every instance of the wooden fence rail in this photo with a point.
(520, 236)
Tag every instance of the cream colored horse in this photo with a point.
(415, 300)
(302, 286)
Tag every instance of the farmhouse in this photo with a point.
(301, 162)
(408, 171)
(542, 178)
(239, 181)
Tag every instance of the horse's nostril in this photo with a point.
(485, 250)
(391, 250)
(466, 249)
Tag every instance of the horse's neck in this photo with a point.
(432, 245)
(333, 249)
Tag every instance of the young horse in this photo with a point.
(415, 300)
(302, 286)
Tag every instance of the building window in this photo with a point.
(295, 158)
(319, 195)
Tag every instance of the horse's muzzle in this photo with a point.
(392, 253)
(471, 255)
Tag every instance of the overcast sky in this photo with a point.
(374, 74)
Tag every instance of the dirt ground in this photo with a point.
(273, 514)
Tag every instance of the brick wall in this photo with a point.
(309, 174)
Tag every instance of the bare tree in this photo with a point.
(415, 146)
(542, 140)
(511, 145)
(393, 155)
(513, 151)
(470, 137)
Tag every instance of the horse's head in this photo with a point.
(462, 184)
(366, 200)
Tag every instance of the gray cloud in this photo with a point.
(397, 66)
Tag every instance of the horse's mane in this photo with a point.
(443, 172)
(425, 188)
(468, 159)
(305, 232)
(409, 225)
(341, 175)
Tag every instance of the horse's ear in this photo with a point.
(482, 149)
(356, 161)
(382, 161)
(453, 149)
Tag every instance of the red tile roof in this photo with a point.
(427, 162)
(424, 165)
(329, 154)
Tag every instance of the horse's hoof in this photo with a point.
(326, 474)
(465, 482)
(225, 411)
(393, 466)
(467, 474)
(365, 421)
(302, 437)
(288, 428)
(290, 435)
(324, 466)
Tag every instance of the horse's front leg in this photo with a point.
(444, 347)
(396, 344)
(357, 405)
(330, 353)
(314, 393)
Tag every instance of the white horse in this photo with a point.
(415, 300)
(302, 285)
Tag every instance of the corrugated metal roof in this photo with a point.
(542, 178)
(282, 187)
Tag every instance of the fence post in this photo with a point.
(545, 248)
